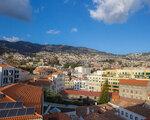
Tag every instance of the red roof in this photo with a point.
(81, 92)
(115, 96)
(4, 65)
(134, 82)
(30, 95)
(25, 117)
(57, 116)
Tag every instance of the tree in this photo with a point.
(104, 98)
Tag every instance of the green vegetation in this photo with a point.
(104, 98)
(72, 65)
(27, 68)
(51, 96)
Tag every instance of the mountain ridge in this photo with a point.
(25, 47)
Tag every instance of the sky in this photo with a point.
(116, 26)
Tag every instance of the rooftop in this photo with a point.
(100, 112)
(57, 116)
(30, 95)
(136, 106)
(81, 92)
(134, 82)
(4, 65)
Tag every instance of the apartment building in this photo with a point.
(135, 89)
(8, 75)
(81, 71)
(95, 81)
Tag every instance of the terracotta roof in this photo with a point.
(100, 112)
(126, 102)
(30, 95)
(29, 117)
(81, 92)
(134, 82)
(4, 65)
(136, 106)
(6, 98)
(57, 116)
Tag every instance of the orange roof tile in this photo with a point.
(30, 95)
(134, 82)
(57, 116)
(6, 98)
(26, 117)
(81, 92)
(4, 65)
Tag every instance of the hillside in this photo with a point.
(24, 48)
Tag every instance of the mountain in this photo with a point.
(24, 48)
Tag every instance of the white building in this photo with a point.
(81, 71)
(80, 84)
(58, 82)
(8, 75)
(95, 81)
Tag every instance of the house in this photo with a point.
(99, 112)
(134, 89)
(15, 105)
(131, 109)
(80, 94)
(30, 95)
(57, 116)
(8, 75)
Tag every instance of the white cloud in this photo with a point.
(53, 32)
(16, 8)
(115, 11)
(11, 39)
(74, 30)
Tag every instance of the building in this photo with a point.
(24, 103)
(58, 82)
(95, 81)
(101, 112)
(135, 89)
(132, 102)
(80, 94)
(57, 116)
(131, 109)
(54, 82)
(8, 75)
(98, 78)
(28, 94)
(81, 71)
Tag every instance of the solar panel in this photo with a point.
(9, 105)
(2, 105)
(21, 112)
(12, 112)
(18, 105)
(3, 113)
(30, 111)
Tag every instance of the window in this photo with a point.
(126, 114)
(131, 117)
(122, 112)
(136, 118)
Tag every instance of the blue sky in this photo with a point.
(122, 29)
